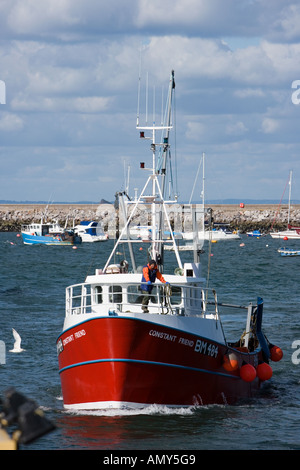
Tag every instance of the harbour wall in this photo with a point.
(264, 217)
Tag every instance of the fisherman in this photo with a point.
(150, 273)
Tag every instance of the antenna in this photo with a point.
(153, 105)
(290, 191)
(162, 106)
(147, 98)
(128, 178)
(139, 90)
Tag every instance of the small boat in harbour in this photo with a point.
(254, 233)
(90, 231)
(115, 353)
(288, 252)
(219, 234)
(292, 232)
(48, 234)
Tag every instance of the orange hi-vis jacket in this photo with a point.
(150, 275)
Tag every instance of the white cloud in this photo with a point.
(249, 93)
(258, 66)
(175, 11)
(34, 17)
(87, 104)
(71, 74)
(10, 122)
(195, 131)
(269, 125)
(287, 25)
(66, 19)
(236, 128)
(69, 19)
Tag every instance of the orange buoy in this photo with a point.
(276, 353)
(264, 371)
(230, 362)
(285, 238)
(247, 372)
(242, 205)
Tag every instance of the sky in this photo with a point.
(69, 76)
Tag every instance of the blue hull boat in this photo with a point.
(48, 234)
(288, 252)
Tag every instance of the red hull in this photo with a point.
(128, 361)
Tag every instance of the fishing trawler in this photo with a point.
(49, 233)
(112, 353)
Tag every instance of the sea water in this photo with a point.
(32, 300)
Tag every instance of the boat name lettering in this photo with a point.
(80, 333)
(68, 339)
(161, 334)
(186, 342)
(77, 334)
(203, 347)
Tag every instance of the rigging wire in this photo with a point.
(209, 258)
(175, 143)
(196, 178)
(165, 119)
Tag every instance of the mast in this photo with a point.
(157, 220)
(165, 149)
(166, 145)
(156, 198)
(290, 192)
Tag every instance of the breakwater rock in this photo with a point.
(13, 216)
(264, 217)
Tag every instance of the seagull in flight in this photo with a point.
(17, 344)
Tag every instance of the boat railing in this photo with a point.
(175, 299)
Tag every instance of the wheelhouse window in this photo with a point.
(98, 295)
(115, 294)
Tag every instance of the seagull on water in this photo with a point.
(17, 344)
